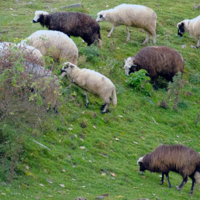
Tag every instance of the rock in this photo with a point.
(80, 198)
(75, 5)
(31, 3)
(196, 7)
(183, 46)
(192, 46)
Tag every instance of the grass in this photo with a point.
(113, 142)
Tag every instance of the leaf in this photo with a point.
(94, 127)
(122, 133)
(62, 185)
(120, 196)
(113, 174)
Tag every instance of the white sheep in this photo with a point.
(28, 51)
(191, 26)
(55, 43)
(91, 81)
(131, 15)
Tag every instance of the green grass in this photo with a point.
(109, 140)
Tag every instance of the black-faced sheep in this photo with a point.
(71, 23)
(91, 81)
(157, 61)
(55, 43)
(131, 15)
(176, 158)
(191, 26)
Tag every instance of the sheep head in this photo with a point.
(140, 163)
(40, 16)
(130, 66)
(67, 68)
(181, 28)
(101, 17)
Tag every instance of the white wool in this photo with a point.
(92, 81)
(192, 26)
(38, 13)
(140, 160)
(5, 47)
(131, 15)
(55, 43)
(128, 64)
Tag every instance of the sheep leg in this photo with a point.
(87, 102)
(154, 37)
(128, 34)
(105, 108)
(70, 85)
(198, 43)
(147, 39)
(111, 31)
(182, 184)
(193, 183)
(162, 179)
(155, 84)
(167, 176)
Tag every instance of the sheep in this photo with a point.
(177, 158)
(27, 51)
(91, 81)
(43, 79)
(55, 43)
(157, 61)
(191, 26)
(131, 15)
(71, 23)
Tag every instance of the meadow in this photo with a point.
(89, 153)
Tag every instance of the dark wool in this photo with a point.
(73, 24)
(158, 61)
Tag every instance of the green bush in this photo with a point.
(140, 82)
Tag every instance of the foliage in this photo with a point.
(91, 52)
(140, 82)
(174, 91)
(23, 104)
(194, 78)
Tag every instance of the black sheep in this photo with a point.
(71, 23)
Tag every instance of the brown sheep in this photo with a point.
(71, 23)
(176, 158)
(157, 61)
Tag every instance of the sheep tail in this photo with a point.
(197, 174)
(114, 97)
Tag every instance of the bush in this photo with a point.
(140, 82)
(91, 53)
(23, 103)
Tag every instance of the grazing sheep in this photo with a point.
(191, 26)
(176, 158)
(55, 43)
(91, 81)
(131, 15)
(71, 23)
(27, 51)
(157, 61)
(40, 77)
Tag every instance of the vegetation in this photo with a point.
(80, 152)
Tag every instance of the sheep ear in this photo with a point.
(104, 16)
(72, 66)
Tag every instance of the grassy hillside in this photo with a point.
(86, 147)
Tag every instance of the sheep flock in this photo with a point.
(156, 60)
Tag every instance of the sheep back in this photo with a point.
(176, 158)
(59, 44)
(159, 61)
(74, 24)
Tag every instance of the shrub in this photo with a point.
(91, 53)
(24, 98)
(140, 82)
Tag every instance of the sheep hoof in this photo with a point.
(197, 47)
(108, 36)
(191, 192)
(178, 188)
(161, 183)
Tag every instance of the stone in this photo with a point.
(196, 7)
(75, 5)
